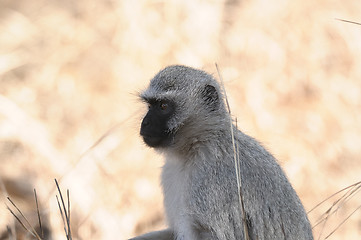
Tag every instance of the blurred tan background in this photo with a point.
(69, 76)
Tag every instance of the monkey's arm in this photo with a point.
(166, 234)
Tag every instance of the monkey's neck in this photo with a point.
(212, 142)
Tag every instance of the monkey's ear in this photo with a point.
(210, 97)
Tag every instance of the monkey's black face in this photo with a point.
(154, 129)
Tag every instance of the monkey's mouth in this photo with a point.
(156, 140)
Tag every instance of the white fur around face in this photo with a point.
(175, 181)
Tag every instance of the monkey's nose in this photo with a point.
(145, 122)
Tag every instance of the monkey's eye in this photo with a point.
(163, 106)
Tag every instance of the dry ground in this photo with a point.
(70, 72)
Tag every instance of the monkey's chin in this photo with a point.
(153, 142)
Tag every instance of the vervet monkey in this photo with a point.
(188, 122)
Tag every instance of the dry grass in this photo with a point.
(69, 71)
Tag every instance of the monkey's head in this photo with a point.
(184, 104)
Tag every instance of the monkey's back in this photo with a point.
(273, 209)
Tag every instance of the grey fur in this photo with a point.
(199, 180)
